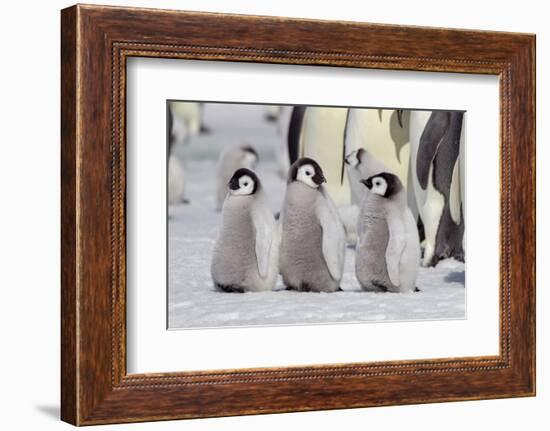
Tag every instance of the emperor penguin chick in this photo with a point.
(246, 252)
(313, 237)
(230, 160)
(388, 250)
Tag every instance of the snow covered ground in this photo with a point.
(192, 300)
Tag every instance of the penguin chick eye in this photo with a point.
(308, 173)
(245, 184)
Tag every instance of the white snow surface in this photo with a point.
(194, 303)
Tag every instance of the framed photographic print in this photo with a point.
(317, 215)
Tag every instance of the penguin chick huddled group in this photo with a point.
(307, 244)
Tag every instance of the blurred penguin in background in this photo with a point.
(281, 116)
(231, 159)
(272, 112)
(190, 116)
(176, 177)
(436, 148)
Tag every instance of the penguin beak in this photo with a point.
(319, 179)
(233, 183)
(367, 183)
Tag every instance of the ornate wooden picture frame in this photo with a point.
(96, 41)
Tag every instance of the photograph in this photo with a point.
(277, 210)
(301, 214)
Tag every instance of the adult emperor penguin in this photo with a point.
(189, 114)
(388, 250)
(384, 133)
(377, 140)
(176, 178)
(246, 252)
(313, 237)
(231, 159)
(281, 150)
(435, 149)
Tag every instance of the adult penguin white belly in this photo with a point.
(322, 139)
(462, 174)
(190, 113)
(435, 143)
(281, 149)
(176, 177)
(417, 124)
(384, 135)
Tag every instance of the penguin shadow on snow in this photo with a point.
(456, 277)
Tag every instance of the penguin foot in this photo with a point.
(380, 286)
(374, 287)
(306, 287)
(230, 288)
(185, 201)
(459, 257)
(204, 130)
(416, 289)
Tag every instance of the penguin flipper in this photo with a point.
(395, 247)
(454, 194)
(334, 236)
(430, 140)
(264, 224)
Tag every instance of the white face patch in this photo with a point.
(305, 175)
(352, 158)
(249, 160)
(379, 186)
(246, 186)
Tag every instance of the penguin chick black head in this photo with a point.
(244, 182)
(250, 153)
(307, 171)
(383, 184)
(354, 158)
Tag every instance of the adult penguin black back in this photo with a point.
(437, 165)
(295, 132)
(169, 128)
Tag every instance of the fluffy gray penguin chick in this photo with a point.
(313, 237)
(388, 251)
(231, 159)
(246, 252)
